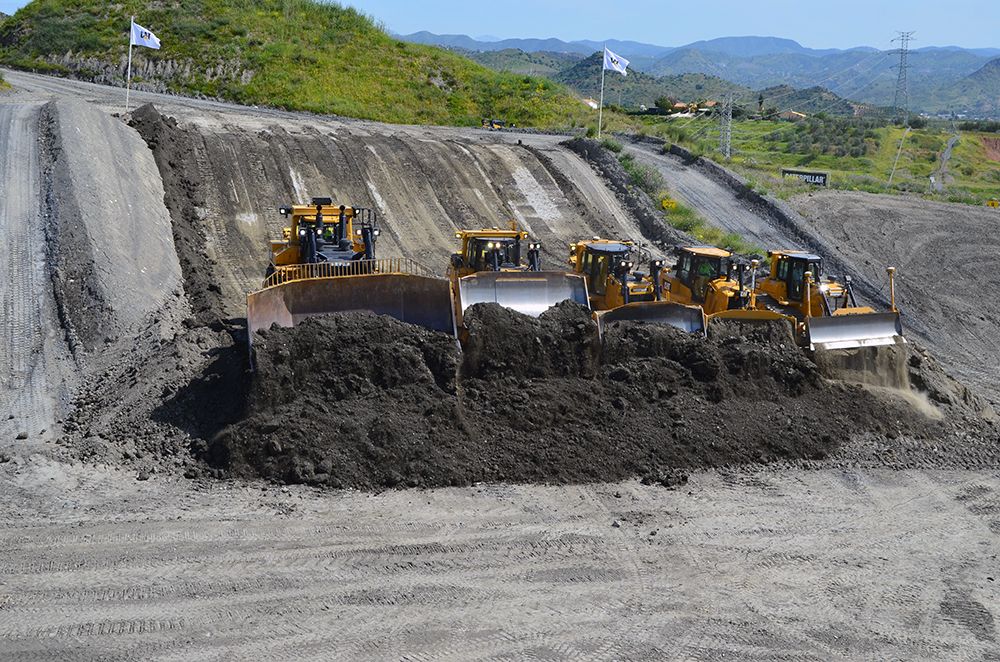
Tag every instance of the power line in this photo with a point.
(902, 99)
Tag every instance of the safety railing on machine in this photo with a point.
(389, 265)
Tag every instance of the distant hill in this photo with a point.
(752, 46)
(867, 76)
(541, 63)
(296, 54)
(583, 47)
(937, 74)
(810, 101)
(638, 88)
(977, 94)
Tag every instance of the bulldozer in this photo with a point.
(503, 266)
(325, 262)
(827, 310)
(619, 293)
(724, 286)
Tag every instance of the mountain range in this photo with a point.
(942, 80)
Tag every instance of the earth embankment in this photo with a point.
(946, 256)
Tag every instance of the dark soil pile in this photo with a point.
(176, 160)
(363, 401)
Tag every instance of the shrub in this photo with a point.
(612, 144)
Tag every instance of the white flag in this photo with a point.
(615, 62)
(143, 37)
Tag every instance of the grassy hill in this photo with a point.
(540, 63)
(295, 54)
(639, 88)
(977, 94)
(809, 101)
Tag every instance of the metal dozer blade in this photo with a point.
(416, 299)
(686, 318)
(527, 292)
(854, 330)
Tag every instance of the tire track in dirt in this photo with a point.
(28, 341)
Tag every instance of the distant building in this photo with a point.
(592, 103)
(710, 104)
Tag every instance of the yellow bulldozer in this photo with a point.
(619, 293)
(325, 262)
(828, 312)
(723, 286)
(503, 266)
(823, 314)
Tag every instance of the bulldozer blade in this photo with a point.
(850, 331)
(421, 300)
(527, 292)
(685, 318)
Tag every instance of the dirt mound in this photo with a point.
(184, 195)
(563, 342)
(364, 401)
(351, 400)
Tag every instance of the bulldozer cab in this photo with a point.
(495, 250)
(790, 269)
(601, 262)
(501, 266)
(697, 267)
(322, 232)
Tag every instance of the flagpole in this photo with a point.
(128, 76)
(600, 108)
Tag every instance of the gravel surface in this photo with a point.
(770, 565)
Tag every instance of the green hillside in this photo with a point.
(639, 88)
(977, 94)
(295, 54)
(516, 61)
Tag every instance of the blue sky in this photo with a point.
(815, 23)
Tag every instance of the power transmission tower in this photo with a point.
(726, 128)
(902, 100)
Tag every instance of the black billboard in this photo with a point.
(807, 176)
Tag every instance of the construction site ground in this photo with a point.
(121, 346)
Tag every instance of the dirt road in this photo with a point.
(30, 347)
(813, 565)
(941, 177)
(716, 202)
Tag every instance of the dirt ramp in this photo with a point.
(356, 400)
(113, 259)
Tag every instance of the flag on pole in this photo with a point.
(614, 62)
(143, 37)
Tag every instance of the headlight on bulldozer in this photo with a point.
(824, 288)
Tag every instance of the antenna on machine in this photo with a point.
(902, 99)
